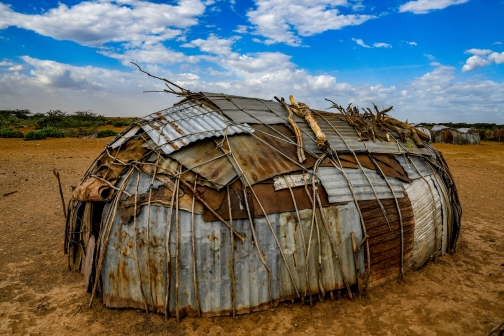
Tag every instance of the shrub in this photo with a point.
(10, 133)
(106, 133)
(122, 123)
(35, 135)
(53, 132)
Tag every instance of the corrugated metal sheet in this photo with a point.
(446, 211)
(121, 284)
(409, 167)
(428, 220)
(183, 124)
(436, 128)
(385, 242)
(338, 190)
(207, 160)
(263, 156)
(250, 110)
(425, 131)
(258, 111)
(121, 138)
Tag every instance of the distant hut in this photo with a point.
(469, 136)
(461, 136)
(225, 205)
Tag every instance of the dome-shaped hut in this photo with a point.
(224, 204)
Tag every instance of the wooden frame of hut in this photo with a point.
(222, 205)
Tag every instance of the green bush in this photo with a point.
(10, 133)
(35, 135)
(53, 132)
(122, 123)
(106, 133)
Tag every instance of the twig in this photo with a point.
(501, 323)
(13, 192)
(78, 309)
(56, 173)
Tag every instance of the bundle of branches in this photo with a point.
(367, 124)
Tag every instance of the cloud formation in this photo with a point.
(425, 6)
(283, 21)
(482, 58)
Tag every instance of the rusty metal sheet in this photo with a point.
(263, 156)
(427, 209)
(205, 159)
(385, 243)
(338, 189)
(121, 278)
(250, 110)
(182, 124)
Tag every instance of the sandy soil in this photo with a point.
(463, 294)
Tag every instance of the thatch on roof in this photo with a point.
(223, 205)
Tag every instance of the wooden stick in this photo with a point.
(257, 247)
(195, 277)
(321, 287)
(300, 228)
(167, 247)
(297, 131)
(494, 329)
(233, 280)
(135, 238)
(56, 173)
(177, 255)
(148, 237)
(205, 204)
(106, 234)
(356, 264)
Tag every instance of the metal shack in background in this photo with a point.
(206, 208)
(460, 136)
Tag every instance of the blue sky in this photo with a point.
(433, 60)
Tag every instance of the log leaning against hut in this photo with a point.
(222, 205)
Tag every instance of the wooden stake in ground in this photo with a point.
(56, 173)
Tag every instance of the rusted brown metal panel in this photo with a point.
(263, 156)
(385, 244)
(206, 159)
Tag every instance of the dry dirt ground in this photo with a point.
(463, 294)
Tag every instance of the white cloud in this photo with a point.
(6, 63)
(240, 29)
(54, 85)
(424, 6)
(435, 64)
(15, 68)
(436, 96)
(213, 45)
(479, 52)
(497, 42)
(254, 63)
(381, 45)
(411, 43)
(154, 54)
(481, 59)
(93, 23)
(281, 21)
(430, 57)
(360, 42)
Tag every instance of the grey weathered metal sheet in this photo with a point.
(183, 124)
(250, 110)
(409, 167)
(121, 138)
(425, 131)
(208, 161)
(464, 129)
(447, 211)
(428, 219)
(338, 190)
(436, 128)
(120, 275)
